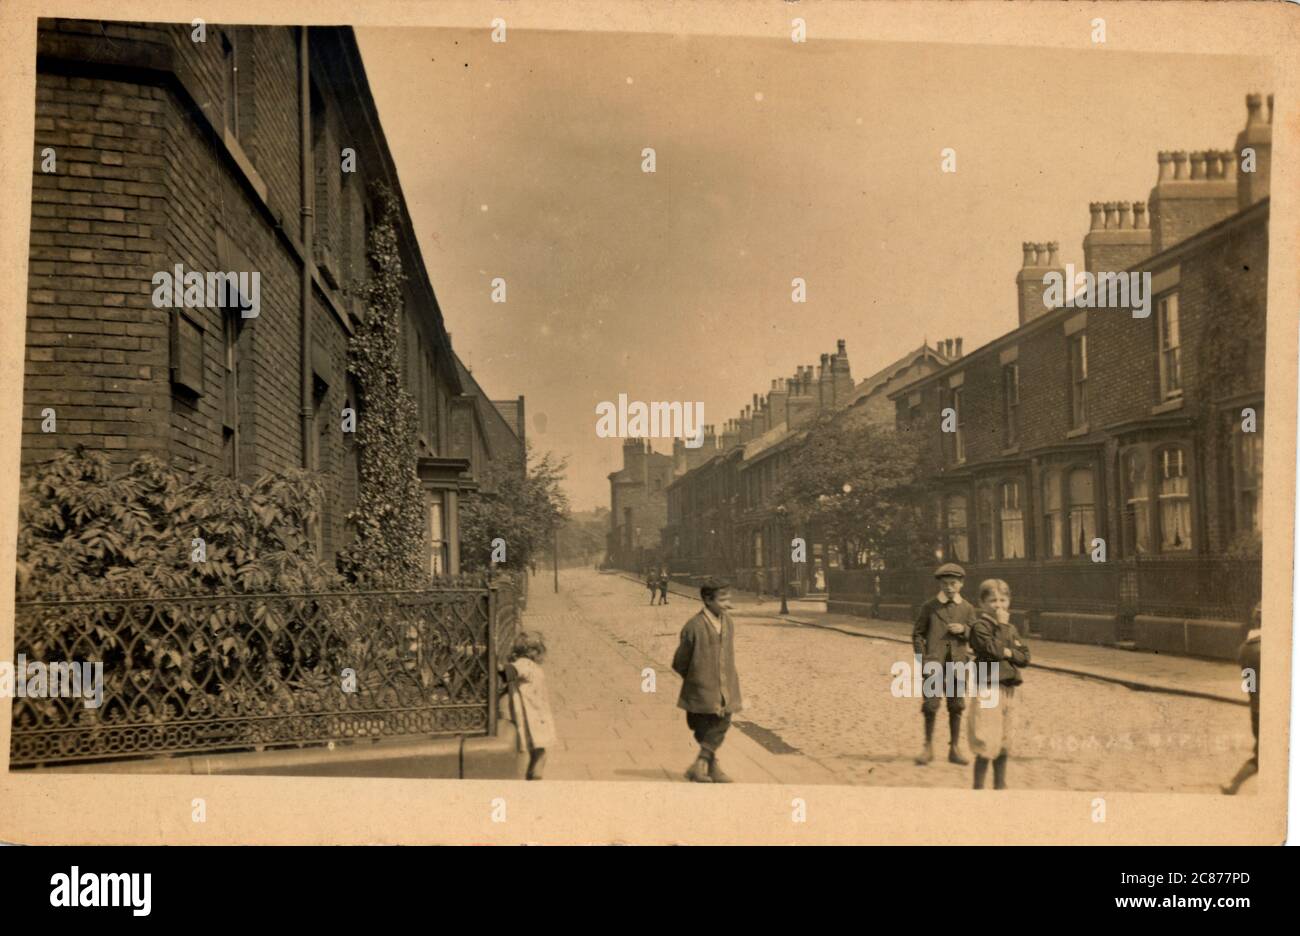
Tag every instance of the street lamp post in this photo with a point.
(780, 542)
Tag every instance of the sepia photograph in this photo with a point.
(445, 403)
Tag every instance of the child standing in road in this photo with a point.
(529, 703)
(1248, 658)
(651, 582)
(706, 661)
(939, 639)
(663, 586)
(998, 648)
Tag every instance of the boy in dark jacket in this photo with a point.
(663, 586)
(939, 638)
(706, 661)
(995, 642)
(1248, 657)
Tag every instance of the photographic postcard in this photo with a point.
(796, 423)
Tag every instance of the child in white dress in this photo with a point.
(529, 704)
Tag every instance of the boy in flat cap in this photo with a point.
(940, 636)
(706, 661)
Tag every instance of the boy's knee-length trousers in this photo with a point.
(710, 730)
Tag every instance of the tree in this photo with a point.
(582, 537)
(520, 507)
(864, 484)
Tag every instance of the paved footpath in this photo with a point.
(819, 705)
(1206, 679)
(609, 728)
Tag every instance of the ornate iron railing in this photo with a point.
(226, 673)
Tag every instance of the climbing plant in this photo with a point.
(388, 551)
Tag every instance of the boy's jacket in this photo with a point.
(930, 636)
(989, 639)
(706, 661)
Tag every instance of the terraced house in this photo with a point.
(1108, 465)
(722, 510)
(227, 148)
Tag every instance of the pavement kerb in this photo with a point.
(1140, 685)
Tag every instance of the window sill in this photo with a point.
(1076, 433)
(1012, 450)
(1169, 406)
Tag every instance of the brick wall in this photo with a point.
(95, 352)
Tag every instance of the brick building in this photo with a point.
(722, 514)
(227, 154)
(637, 505)
(1088, 426)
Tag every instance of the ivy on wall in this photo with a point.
(389, 549)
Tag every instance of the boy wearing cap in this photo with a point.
(706, 661)
(939, 637)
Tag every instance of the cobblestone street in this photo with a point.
(819, 700)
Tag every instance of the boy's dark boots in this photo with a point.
(1248, 770)
(716, 773)
(954, 743)
(698, 772)
(981, 771)
(927, 752)
(1000, 771)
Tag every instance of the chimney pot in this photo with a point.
(1125, 215)
(1198, 165)
(958, 347)
(1270, 108)
(1095, 209)
(1111, 208)
(1253, 102)
(947, 348)
(1228, 159)
(1040, 250)
(1140, 215)
(1164, 160)
(1180, 164)
(1028, 248)
(1213, 165)
(839, 347)
(1052, 260)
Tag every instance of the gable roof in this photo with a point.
(498, 434)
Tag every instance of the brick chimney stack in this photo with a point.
(760, 416)
(730, 435)
(1196, 190)
(800, 404)
(841, 376)
(1118, 237)
(1258, 135)
(634, 456)
(825, 386)
(1039, 260)
(746, 422)
(777, 406)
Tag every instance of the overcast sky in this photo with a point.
(774, 160)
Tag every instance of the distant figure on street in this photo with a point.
(939, 638)
(706, 661)
(994, 639)
(530, 706)
(1248, 657)
(663, 586)
(652, 583)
